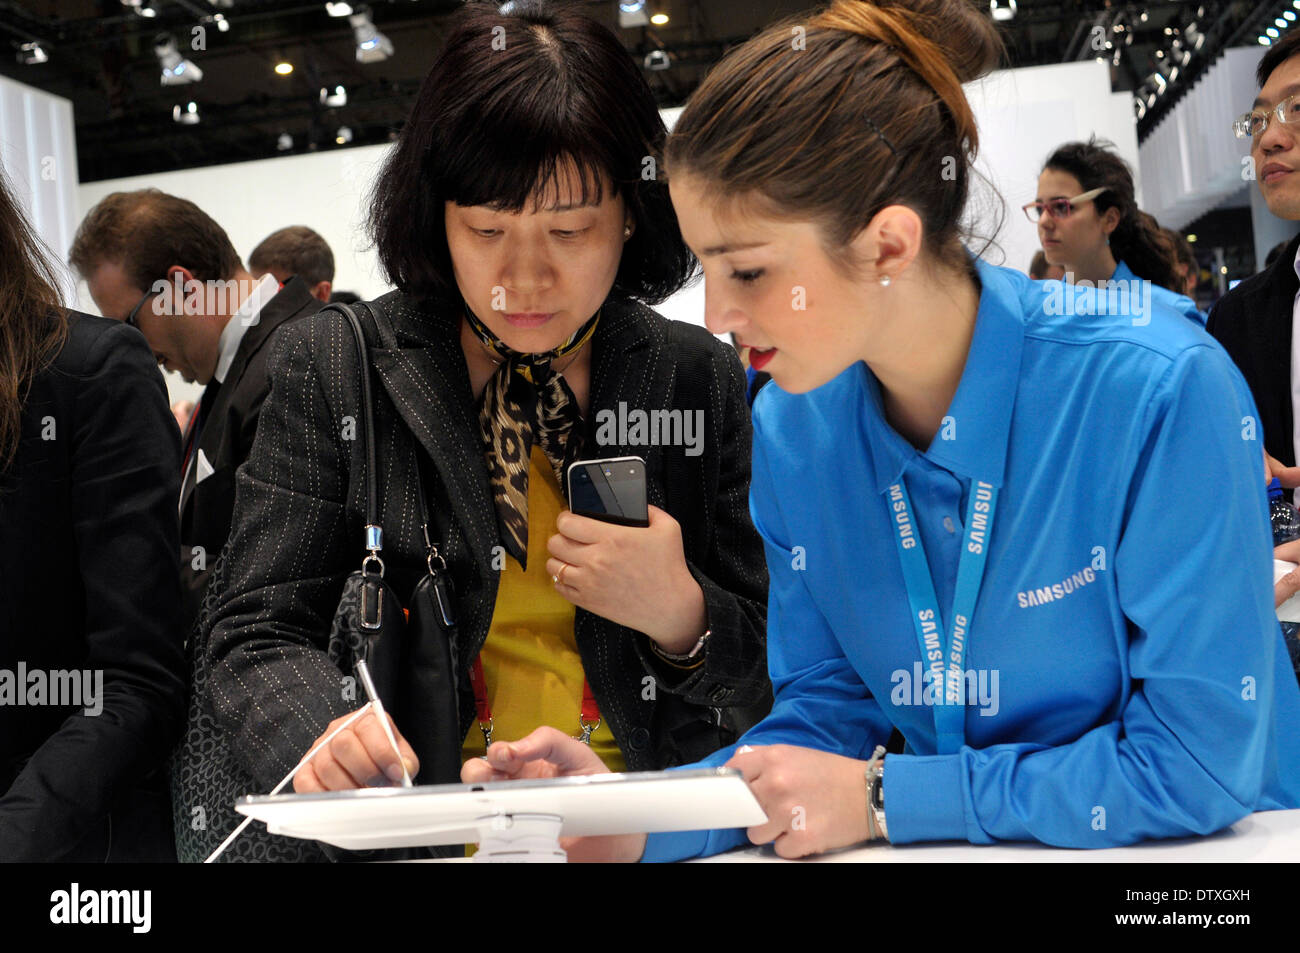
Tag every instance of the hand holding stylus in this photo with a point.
(360, 756)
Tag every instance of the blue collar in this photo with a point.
(973, 440)
(1123, 273)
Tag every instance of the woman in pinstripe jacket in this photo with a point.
(521, 220)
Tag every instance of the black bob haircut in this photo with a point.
(518, 95)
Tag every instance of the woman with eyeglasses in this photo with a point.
(965, 498)
(524, 223)
(92, 690)
(1089, 224)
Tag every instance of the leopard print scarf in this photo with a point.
(525, 401)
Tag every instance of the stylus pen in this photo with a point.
(368, 684)
(230, 839)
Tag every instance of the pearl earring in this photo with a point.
(627, 232)
(884, 281)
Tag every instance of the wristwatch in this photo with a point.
(687, 659)
(875, 776)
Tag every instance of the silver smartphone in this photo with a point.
(612, 490)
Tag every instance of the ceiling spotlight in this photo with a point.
(221, 4)
(284, 68)
(372, 46)
(1139, 107)
(657, 60)
(1143, 16)
(222, 23)
(631, 13)
(147, 10)
(1005, 10)
(1289, 15)
(187, 115)
(1280, 23)
(339, 9)
(1161, 83)
(1265, 41)
(659, 19)
(334, 98)
(30, 54)
(176, 70)
(1272, 32)
(1192, 238)
(284, 143)
(343, 136)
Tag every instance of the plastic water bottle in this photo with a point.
(1286, 527)
(1285, 520)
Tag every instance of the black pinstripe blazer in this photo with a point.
(297, 530)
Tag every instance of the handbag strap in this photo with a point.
(374, 533)
(387, 337)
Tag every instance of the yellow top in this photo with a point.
(530, 660)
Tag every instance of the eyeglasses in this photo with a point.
(1058, 208)
(130, 318)
(1253, 124)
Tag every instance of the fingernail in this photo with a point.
(394, 771)
(378, 781)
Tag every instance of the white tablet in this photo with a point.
(422, 816)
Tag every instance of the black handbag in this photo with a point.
(411, 657)
(411, 653)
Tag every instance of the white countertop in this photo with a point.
(1268, 836)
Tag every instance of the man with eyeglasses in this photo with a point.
(1258, 322)
(162, 265)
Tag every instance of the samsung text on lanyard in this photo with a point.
(950, 704)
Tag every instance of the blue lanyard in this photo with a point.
(944, 661)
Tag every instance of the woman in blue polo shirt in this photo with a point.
(1089, 224)
(968, 498)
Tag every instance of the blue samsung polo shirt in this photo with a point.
(1125, 674)
(1175, 301)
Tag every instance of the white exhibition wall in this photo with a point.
(1022, 114)
(38, 153)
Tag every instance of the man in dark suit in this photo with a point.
(1254, 321)
(296, 250)
(160, 263)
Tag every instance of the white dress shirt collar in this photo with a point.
(243, 319)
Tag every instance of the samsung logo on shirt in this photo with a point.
(1041, 597)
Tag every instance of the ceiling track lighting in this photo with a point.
(372, 46)
(32, 54)
(176, 70)
(187, 115)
